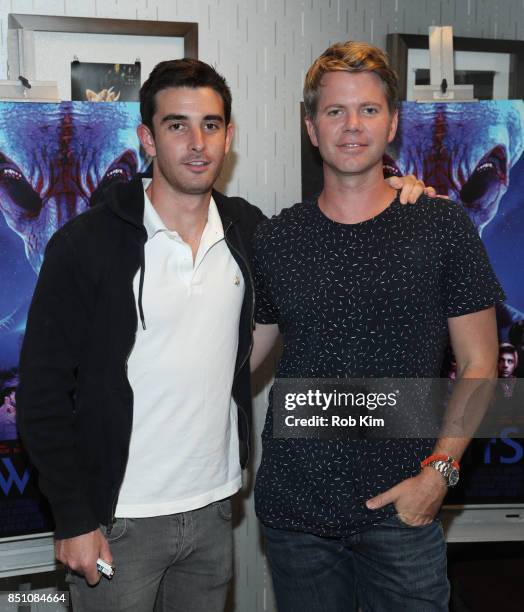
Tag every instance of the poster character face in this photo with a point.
(465, 151)
(54, 157)
(508, 360)
(353, 124)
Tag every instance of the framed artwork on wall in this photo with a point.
(33, 39)
(494, 67)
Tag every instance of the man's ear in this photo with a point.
(310, 126)
(230, 132)
(147, 140)
(393, 127)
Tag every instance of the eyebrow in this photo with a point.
(344, 104)
(173, 117)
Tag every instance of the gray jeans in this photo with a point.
(180, 563)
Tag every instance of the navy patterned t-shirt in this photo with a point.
(370, 299)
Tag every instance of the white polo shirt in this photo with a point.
(184, 443)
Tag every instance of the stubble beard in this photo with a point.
(340, 169)
(202, 184)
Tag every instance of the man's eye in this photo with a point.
(211, 127)
(370, 110)
(176, 126)
(334, 112)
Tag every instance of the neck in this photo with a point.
(355, 198)
(184, 213)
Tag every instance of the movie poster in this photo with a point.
(54, 160)
(473, 153)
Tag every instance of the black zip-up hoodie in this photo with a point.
(74, 401)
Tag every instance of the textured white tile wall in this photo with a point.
(263, 47)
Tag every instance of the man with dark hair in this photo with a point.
(138, 338)
(508, 360)
(361, 287)
(132, 428)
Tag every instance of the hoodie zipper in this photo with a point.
(252, 319)
(139, 225)
(112, 519)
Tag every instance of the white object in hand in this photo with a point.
(104, 568)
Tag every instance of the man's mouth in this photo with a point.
(197, 165)
(352, 145)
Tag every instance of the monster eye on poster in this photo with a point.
(54, 160)
(472, 153)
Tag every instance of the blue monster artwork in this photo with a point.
(55, 159)
(467, 151)
(473, 153)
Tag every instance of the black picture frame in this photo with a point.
(398, 45)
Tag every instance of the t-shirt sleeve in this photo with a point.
(469, 282)
(266, 311)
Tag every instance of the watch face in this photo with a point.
(453, 477)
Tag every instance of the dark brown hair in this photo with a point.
(185, 72)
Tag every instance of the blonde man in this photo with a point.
(360, 286)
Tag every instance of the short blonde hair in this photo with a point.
(350, 56)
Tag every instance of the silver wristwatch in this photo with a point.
(447, 469)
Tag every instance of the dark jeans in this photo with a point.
(181, 562)
(389, 568)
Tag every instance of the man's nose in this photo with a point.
(197, 139)
(353, 121)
